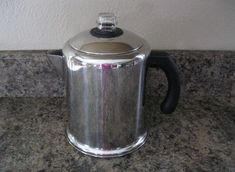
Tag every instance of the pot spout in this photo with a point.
(56, 59)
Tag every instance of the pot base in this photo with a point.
(97, 152)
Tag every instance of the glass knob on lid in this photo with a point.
(107, 22)
(106, 26)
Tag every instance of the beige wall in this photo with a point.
(165, 24)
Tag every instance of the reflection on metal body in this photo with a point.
(104, 74)
(105, 105)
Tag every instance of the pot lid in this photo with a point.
(106, 38)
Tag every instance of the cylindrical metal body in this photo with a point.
(105, 69)
(105, 73)
(105, 106)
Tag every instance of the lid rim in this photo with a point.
(105, 54)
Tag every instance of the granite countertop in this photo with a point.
(199, 136)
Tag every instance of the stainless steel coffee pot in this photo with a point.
(104, 69)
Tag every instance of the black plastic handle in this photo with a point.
(163, 61)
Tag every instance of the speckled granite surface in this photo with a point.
(203, 73)
(28, 74)
(199, 136)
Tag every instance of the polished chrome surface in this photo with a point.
(105, 104)
(56, 59)
(129, 40)
(102, 153)
(105, 80)
(104, 48)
